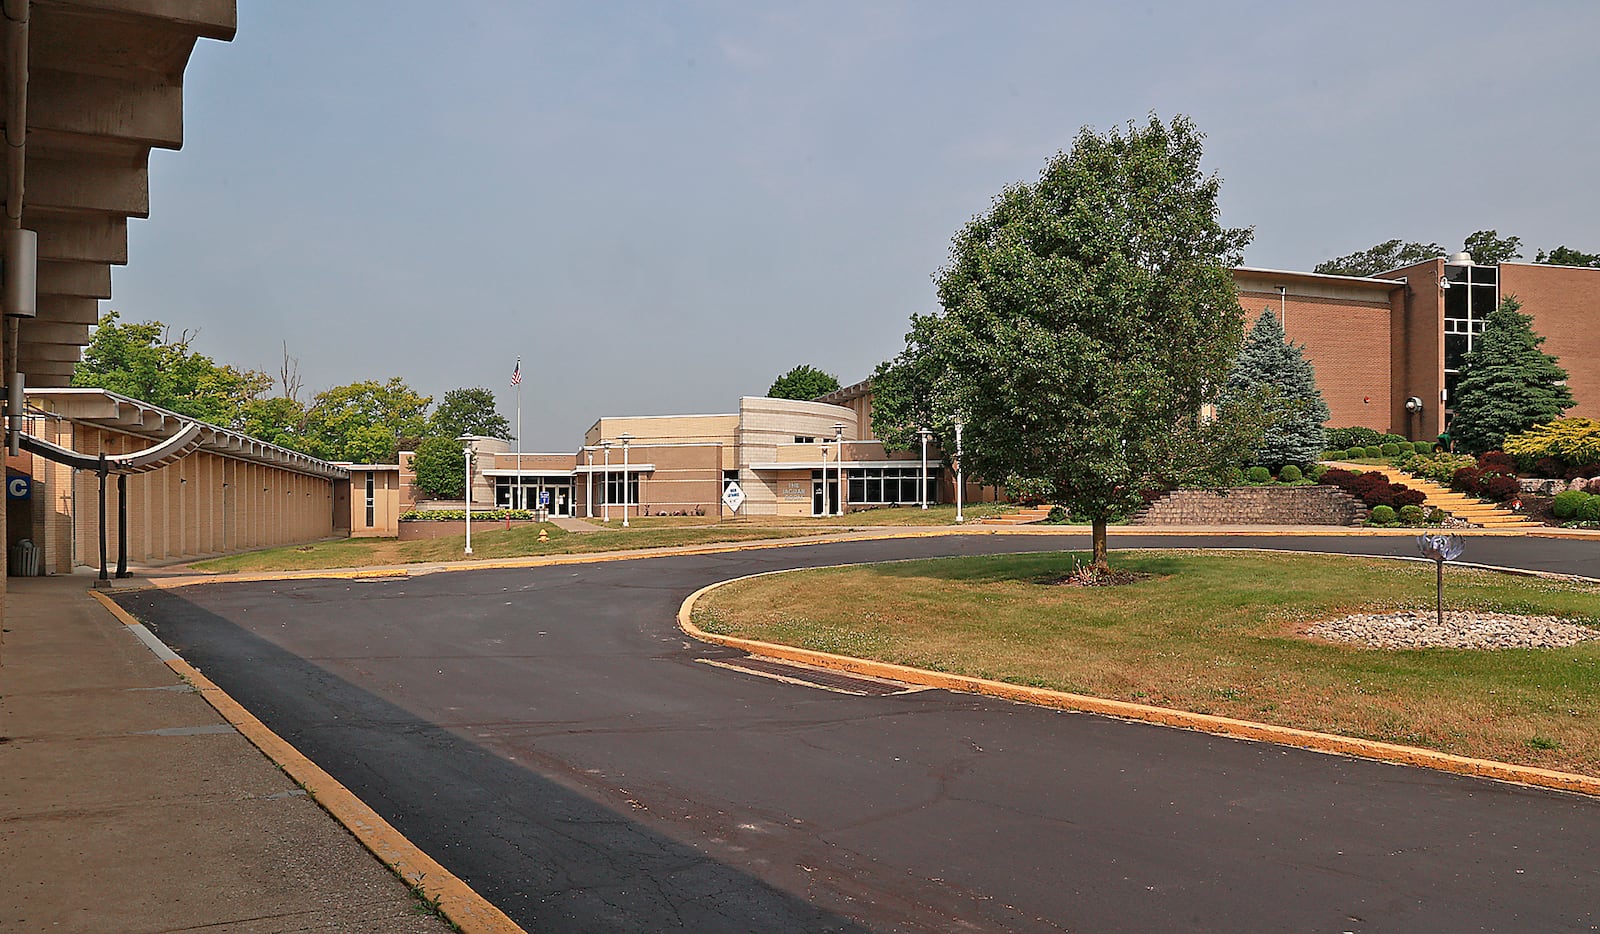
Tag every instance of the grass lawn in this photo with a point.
(523, 541)
(1211, 633)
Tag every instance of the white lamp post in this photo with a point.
(606, 486)
(823, 490)
(588, 480)
(625, 438)
(466, 454)
(838, 466)
(959, 517)
(922, 479)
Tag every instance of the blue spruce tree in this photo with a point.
(1268, 361)
(1507, 383)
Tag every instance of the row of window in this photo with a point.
(883, 486)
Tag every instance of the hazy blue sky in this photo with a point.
(662, 206)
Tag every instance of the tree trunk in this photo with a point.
(1100, 561)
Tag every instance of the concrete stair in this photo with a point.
(1460, 505)
(1027, 515)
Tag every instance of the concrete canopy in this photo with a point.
(100, 83)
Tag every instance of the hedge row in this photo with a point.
(1374, 489)
(460, 515)
(1386, 449)
(1576, 505)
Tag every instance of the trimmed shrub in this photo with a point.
(1389, 449)
(1316, 472)
(1382, 515)
(1372, 450)
(1259, 474)
(1465, 480)
(1498, 487)
(1232, 476)
(1498, 462)
(1352, 437)
(1436, 516)
(1335, 455)
(1411, 515)
(1289, 474)
(1547, 467)
(1590, 510)
(1566, 505)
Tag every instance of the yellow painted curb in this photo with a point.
(440, 567)
(468, 910)
(1166, 716)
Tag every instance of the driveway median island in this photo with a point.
(1225, 634)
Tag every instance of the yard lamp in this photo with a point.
(1440, 548)
(625, 438)
(607, 485)
(959, 517)
(922, 479)
(466, 454)
(838, 439)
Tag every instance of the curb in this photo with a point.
(425, 567)
(465, 908)
(1145, 713)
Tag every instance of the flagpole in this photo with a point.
(522, 493)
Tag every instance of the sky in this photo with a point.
(662, 206)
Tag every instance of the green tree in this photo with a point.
(364, 422)
(468, 412)
(441, 468)
(1490, 249)
(1507, 383)
(143, 361)
(804, 382)
(1085, 320)
(1269, 365)
(1566, 256)
(1390, 254)
(277, 420)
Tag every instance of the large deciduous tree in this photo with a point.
(1566, 256)
(1390, 254)
(144, 361)
(1488, 248)
(440, 468)
(468, 412)
(1270, 365)
(1507, 383)
(364, 422)
(803, 382)
(1085, 320)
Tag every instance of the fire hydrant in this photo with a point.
(544, 535)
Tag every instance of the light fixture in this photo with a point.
(1444, 283)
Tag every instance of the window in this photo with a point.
(805, 439)
(885, 485)
(612, 492)
(1474, 292)
(372, 501)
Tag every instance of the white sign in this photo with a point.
(732, 496)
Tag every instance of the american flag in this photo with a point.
(516, 374)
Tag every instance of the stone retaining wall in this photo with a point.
(1256, 505)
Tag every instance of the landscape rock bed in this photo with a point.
(1462, 629)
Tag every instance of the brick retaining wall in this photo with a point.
(1256, 505)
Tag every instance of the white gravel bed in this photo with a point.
(1462, 629)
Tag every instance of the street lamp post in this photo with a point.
(838, 465)
(626, 486)
(606, 486)
(959, 517)
(466, 454)
(588, 480)
(823, 489)
(922, 479)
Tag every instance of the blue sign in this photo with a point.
(544, 498)
(18, 487)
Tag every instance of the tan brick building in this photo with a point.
(221, 492)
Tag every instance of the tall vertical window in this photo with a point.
(1474, 292)
(372, 501)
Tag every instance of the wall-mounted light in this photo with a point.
(1444, 283)
(1413, 405)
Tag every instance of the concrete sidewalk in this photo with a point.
(128, 804)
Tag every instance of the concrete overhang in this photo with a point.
(100, 408)
(103, 84)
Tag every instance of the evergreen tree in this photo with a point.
(1507, 383)
(1268, 361)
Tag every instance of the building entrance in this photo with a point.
(824, 494)
(526, 495)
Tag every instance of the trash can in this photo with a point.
(24, 559)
